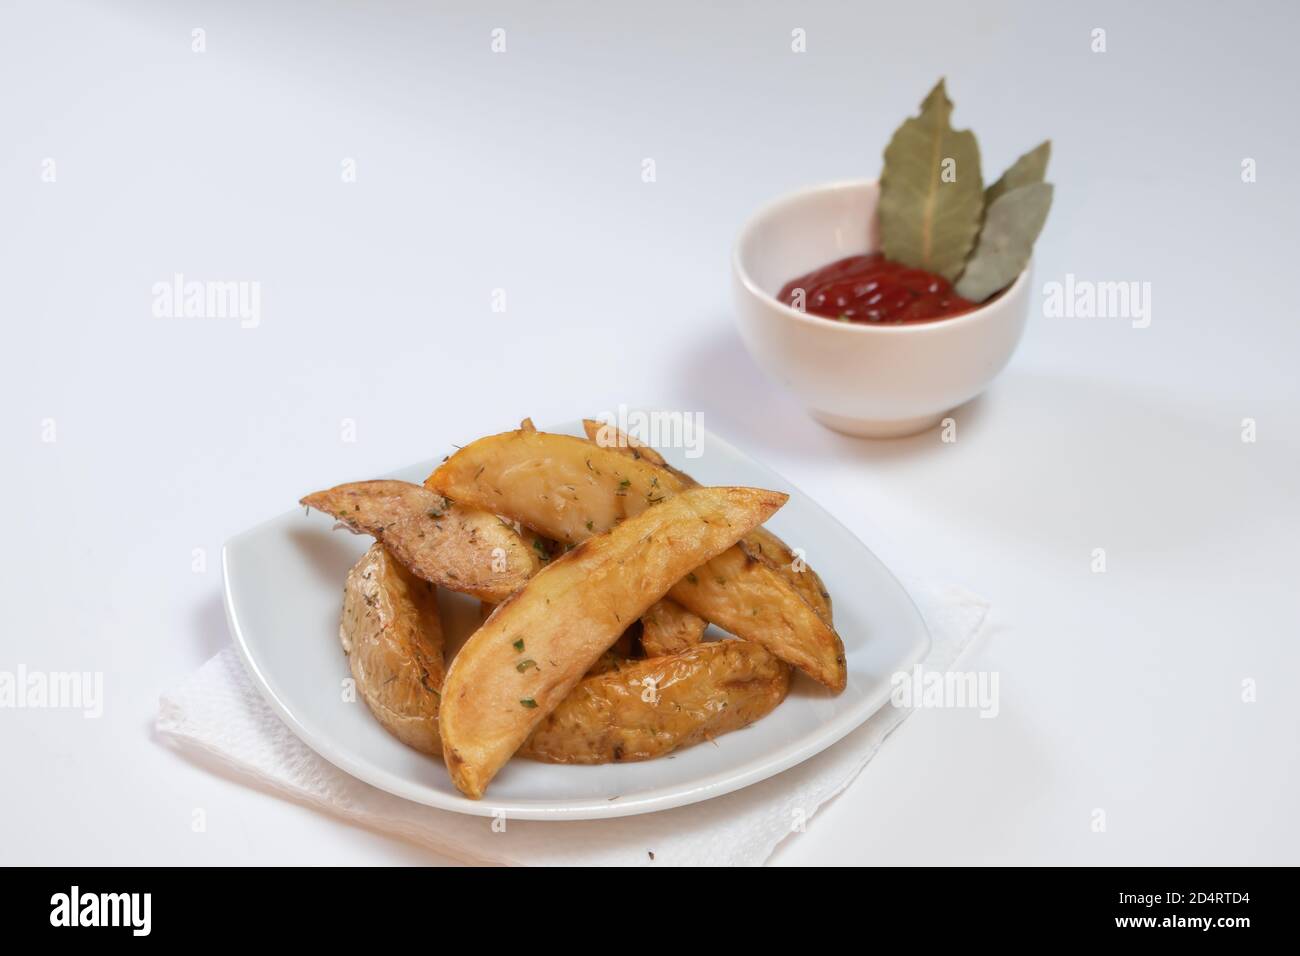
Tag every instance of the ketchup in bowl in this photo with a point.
(872, 290)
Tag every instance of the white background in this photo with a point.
(1120, 691)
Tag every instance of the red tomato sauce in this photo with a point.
(873, 290)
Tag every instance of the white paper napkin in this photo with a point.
(219, 711)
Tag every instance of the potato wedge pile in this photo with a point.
(599, 568)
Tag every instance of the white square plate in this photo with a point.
(283, 590)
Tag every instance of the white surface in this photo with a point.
(876, 381)
(218, 714)
(1119, 691)
(282, 594)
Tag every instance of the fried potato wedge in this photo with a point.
(648, 708)
(392, 636)
(768, 547)
(781, 558)
(533, 650)
(661, 623)
(668, 628)
(569, 488)
(610, 660)
(564, 487)
(611, 436)
(456, 546)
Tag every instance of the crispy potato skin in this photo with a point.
(771, 549)
(737, 587)
(392, 636)
(569, 489)
(533, 650)
(460, 548)
(668, 628)
(648, 708)
(780, 558)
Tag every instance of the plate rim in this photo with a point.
(706, 788)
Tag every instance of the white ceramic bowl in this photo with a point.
(879, 381)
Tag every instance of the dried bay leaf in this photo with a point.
(931, 191)
(1011, 224)
(1029, 168)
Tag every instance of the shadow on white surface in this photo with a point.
(1038, 457)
